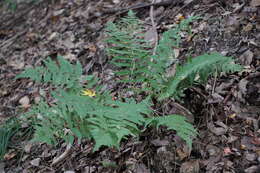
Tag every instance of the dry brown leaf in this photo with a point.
(255, 3)
(9, 155)
(192, 166)
(159, 143)
(182, 154)
(35, 162)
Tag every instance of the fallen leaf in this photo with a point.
(256, 141)
(192, 166)
(141, 168)
(252, 169)
(227, 151)
(159, 143)
(217, 130)
(248, 27)
(27, 147)
(250, 156)
(35, 162)
(151, 36)
(246, 58)
(255, 3)
(213, 150)
(10, 155)
(182, 153)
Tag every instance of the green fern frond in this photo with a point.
(60, 73)
(129, 50)
(177, 123)
(201, 66)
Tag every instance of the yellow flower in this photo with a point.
(88, 92)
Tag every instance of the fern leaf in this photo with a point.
(202, 66)
(177, 123)
(33, 73)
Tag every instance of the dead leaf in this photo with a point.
(159, 143)
(17, 64)
(250, 156)
(227, 151)
(183, 152)
(192, 166)
(27, 147)
(246, 58)
(255, 3)
(213, 150)
(217, 130)
(151, 36)
(10, 155)
(176, 52)
(256, 141)
(233, 23)
(89, 169)
(141, 168)
(35, 162)
(248, 27)
(252, 169)
(246, 143)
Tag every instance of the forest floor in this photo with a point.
(225, 111)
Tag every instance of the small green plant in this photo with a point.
(132, 55)
(7, 130)
(87, 114)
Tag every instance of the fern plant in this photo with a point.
(134, 59)
(151, 69)
(74, 115)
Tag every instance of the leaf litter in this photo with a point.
(226, 111)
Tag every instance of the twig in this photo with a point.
(154, 28)
(62, 156)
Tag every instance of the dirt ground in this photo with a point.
(225, 111)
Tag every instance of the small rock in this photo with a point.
(35, 162)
